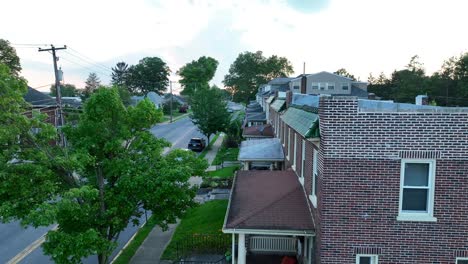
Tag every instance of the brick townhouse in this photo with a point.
(387, 182)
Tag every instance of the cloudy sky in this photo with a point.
(362, 36)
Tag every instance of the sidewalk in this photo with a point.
(152, 248)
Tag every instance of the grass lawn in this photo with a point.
(226, 154)
(226, 172)
(132, 248)
(207, 218)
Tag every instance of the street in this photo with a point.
(14, 239)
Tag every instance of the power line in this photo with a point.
(95, 62)
(83, 66)
(90, 63)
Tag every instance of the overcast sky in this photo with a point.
(362, 36)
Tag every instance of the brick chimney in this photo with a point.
(422, 100)
(288, 98)
(303, 84)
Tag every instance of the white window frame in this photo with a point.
(289, 143)
(302, 162)
(457, 259)
(294, 151)
(313, 195)
(345, 84)
(331, 84)
(322, 86)
(427, 216)
(315, 84)
(374, 258)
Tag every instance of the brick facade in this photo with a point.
(359, 184)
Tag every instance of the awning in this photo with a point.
(303, 122)
(268, 149)
(278, 105)
(268, 200)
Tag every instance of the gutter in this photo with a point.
(268, 232)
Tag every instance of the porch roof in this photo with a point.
(304, 122)
(278, 104)
(268, 200)
(258, 131)
(267, 149)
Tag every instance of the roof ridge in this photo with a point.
(256, 212)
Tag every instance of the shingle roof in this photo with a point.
(303, 122)
(278, 104)
(268, 149)
(255, 116)
(269, 200)
(281, 80)
(254, 109)
(36, 98)
(258, 131)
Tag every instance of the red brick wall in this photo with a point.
(359, 184)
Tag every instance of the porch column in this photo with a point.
(241, 250)
(233, 249)
(246, 165)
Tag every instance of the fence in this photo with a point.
(273, 244)
(202, 244)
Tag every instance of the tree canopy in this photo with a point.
(196, 74)
(150, 74)
(343, 72)
(91, 84)
(9, 57)
(112, 170)
(119, 74)
(209, 111)
(65, 90)
(447, 87)
(250, 70)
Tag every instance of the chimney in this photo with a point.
(288, 98)
(276, 94)
(371, 96)
(422, 100)
(303, 84)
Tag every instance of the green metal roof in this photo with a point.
(304, 122)
(270, 99)
(278, 105)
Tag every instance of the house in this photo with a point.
(276, 85)
(258, 132)
(155, 98)
(384, 182)
(254, 118)
(328, 83)
(176, 98)
(42, 103)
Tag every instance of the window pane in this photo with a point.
(462, 261)
(414, 199)
(365, 260)
(416, 174)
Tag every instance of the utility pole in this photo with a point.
(57, 87)
(303, 68)
(170, 85)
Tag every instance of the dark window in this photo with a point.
(415, 187)
(460, 261)
(365, 260)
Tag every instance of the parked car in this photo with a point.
(197, 144)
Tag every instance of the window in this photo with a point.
(289, 142)
(367, 259)
(345, 86)
(417, 190)
(294, 153)
(462, 261)
(315, 86)
(303, 160)
(313, 196)
(330, 86)
(296, 87)
(322, 86)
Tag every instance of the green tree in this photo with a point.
(343, 72)
(209, 111)
(65, 90)
(119, 74)
(150, 74)
(197, 74)
(112, 170)
(91, 84)
(250, 70)
(9, 57)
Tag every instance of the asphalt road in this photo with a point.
(14, 239)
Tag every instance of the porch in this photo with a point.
(261, 154)
(269, 218)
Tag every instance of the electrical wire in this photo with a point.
(86, 57)
(90, 63)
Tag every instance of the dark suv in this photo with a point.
(197, 144)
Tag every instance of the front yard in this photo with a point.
(204, 219)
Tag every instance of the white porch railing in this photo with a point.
(273, 244)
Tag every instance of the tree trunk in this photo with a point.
(102, 258)
(208, 142)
